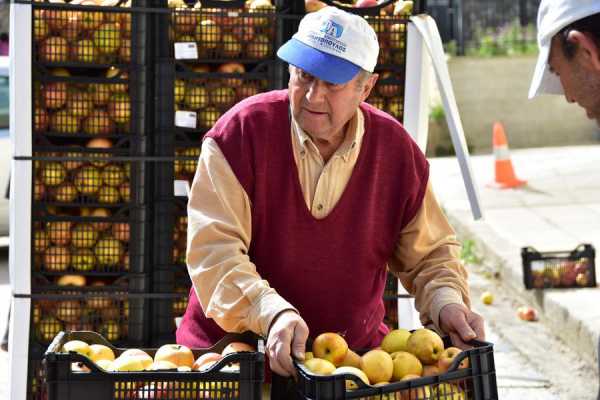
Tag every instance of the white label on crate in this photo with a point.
(186, 119)
(186, 51)
(181, 188)
(233, 14)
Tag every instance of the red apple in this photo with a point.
(232, 68)
(365, 3)
(331, 347)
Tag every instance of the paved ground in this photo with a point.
(557, 210)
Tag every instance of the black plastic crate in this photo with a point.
(214, 383)
(559, 269)
(110, 309)
(203, 93)
(79, 176)
(475, 382)
(36, 379)
(219, 31)
(186, 163)
(72, 107)
(98, 242)
(85, 34)
(167, 311)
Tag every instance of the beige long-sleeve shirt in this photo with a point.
(229, 287)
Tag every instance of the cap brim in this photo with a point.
(324, 66)
(543, 80)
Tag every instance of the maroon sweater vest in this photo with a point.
(332, 269)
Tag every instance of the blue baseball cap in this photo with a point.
(332, 45)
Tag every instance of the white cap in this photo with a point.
(332, 45)
(553, 16)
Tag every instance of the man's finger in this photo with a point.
(458, 342)
(477, 324)
(462, 327)
(300, 337)
(276, 367)
(282, 352)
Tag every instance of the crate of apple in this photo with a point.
(406, 365)
(232, 368)
(66, 34)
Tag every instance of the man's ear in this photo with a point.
(589, 48)
(369, 85)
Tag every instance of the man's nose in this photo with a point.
(316, 91)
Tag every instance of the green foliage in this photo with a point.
(437, 114)
(509, 40)
(469, 253)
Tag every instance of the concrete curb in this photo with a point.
(565, 311)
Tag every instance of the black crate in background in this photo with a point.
(559, 269)
(36, 375)
(86, 35)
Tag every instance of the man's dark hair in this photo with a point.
(589, 24)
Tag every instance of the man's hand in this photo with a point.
(461, 324)
(287, 338)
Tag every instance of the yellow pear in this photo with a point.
(426, 345)
(395, 340)
(101, 352)
(320, 366)
(406, 363)
(351, 360)
(78, 346)
(378, 365)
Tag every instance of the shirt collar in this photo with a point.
(351, 142)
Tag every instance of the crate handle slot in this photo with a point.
(372, 11)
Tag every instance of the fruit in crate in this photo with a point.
(120, 231)
(68, 310)
(260, 7)
(426, 345)
(350, 384)
(405, 363)
(236, 347)
(201, 361)
(397, 36)
(84, 51)
(119, 108)
(352, 359)
(40, 241)
(125, 50)
(222, 97)
(65, 193)
(259, 47)
(48, 328)
(365, 3)
(582, 279)
(88, 180)
(330, 346)
(113, 175)
(377, 365)
(108, 251)
(395, 340)
(207, 117)
(59, 232)
(195, 97)
(179, 90)
(208, 34)
(78, 346)
(244, 33)
(98, 123)
(64, 122)
(177, 354)
(41, 120)
(230, 46)
(107, 38)
(54, 49)
(418, 393)
(313, 5)
(447, 391)
(552, 276)
(319, 366)
(395, 109)
(447, 358)
(57, 259)
(430, 370)
(99, 93)
(109, 195)
(53, 173)
(54, 94)
(110, 330)
(232, 68)
(184, 20)
(83, 260)
(40, 27)
(84, 235)
(100, 213)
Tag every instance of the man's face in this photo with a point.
(579, 79)
(322, 109)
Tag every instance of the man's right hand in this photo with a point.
(287, 338)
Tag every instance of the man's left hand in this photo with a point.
(462, 324)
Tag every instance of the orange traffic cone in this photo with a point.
(505, 174)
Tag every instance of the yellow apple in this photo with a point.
(385, 396)
(378, 365)
(395, 340)
(487, 298)
(128, 364)
(406, 363)
(418, 393)
(101, 352)
(319, 366)
(448, 356)
(235, 347)
(105, 364)
(331, 347)
(350, 384)
(351, 360)
(78, 346)
(137, 354)
(205, 358)
(430, 370)
(161, 364)
(177, 354)
(426, 345)
(447, 391)
(308, 355)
